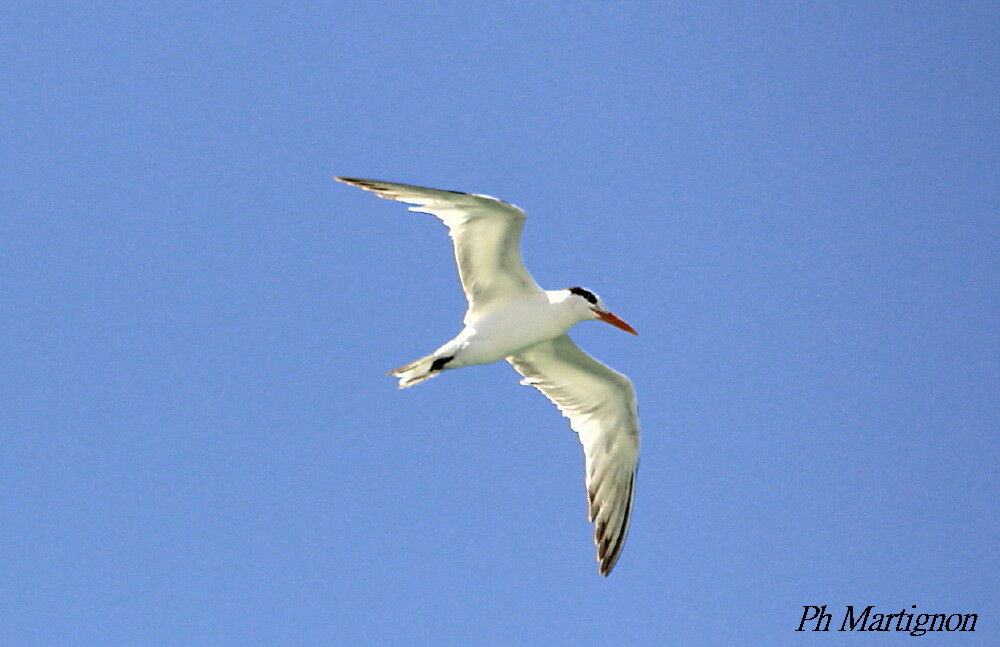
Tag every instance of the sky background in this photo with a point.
(796, 204)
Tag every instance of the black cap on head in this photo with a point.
(585, 293)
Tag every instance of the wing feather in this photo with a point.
(485, 231)
(600, 404)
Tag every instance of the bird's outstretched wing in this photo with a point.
(486, 233)
(600, 405)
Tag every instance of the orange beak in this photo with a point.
(615, 321)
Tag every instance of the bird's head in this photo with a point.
(589, 306)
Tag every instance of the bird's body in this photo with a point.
(510, 317)
(508, 327)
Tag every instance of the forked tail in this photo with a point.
(423, 369)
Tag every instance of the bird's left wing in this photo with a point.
(600, 405)
(486, 233)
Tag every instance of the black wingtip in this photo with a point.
(374, 185)
(368, 185)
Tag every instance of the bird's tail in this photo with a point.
(423, 369)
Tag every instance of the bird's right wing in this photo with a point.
(600, 405)
(486, 233)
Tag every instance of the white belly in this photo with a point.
(509, 329)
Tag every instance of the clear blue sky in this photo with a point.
(795, 204)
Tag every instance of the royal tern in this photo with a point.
(510, 317)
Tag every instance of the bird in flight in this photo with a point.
(510, 317)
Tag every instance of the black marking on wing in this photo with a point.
(365, 184)
(608, 558)
(373, 185)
